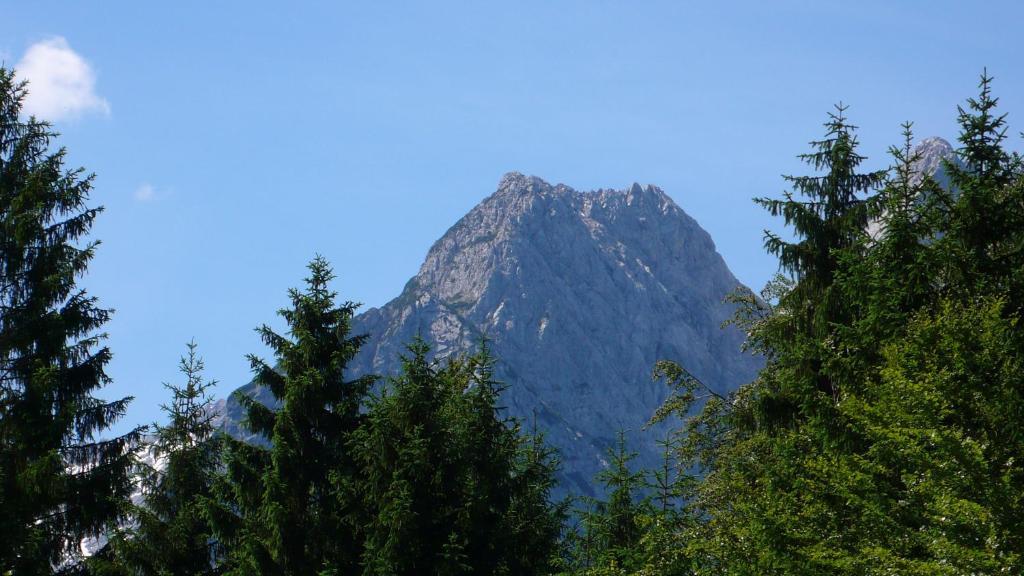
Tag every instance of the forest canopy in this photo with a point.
(883, 435)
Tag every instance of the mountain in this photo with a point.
(579, 294)
(932, 155)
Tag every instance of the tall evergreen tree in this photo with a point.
(906, 462)
(980, 231)
(534, 520)
(451, 487)
(168, 533)
(289, 509)
(775, 453)
(830, 221)
(831, 217)
(612, 526)
(60, 480)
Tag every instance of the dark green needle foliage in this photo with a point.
(168, 533)
(982, 240)
(290, 509)
(611, 528)
(884, 434)
(828, 211)
(642, 526)
(451, 487)
(60, 479)
(534, 521)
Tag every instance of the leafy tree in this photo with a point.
(60, 480)
(289, 509)
(169, 534)
(942, 488)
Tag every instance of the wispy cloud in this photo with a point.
(145, 192)
(62, 84)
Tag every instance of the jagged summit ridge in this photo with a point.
(932, 154)
(579, 293)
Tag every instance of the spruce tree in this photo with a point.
(411, 480)
(61, 479)
(777, 453)
(907, 461)
(168, 533)
(288, 509)
(981, 233)
(829, 221)
(612, 526)
(451, 486)
(534, 522)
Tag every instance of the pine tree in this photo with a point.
(60, 480)
(830, 222)
(534, 520)
(451, 486)
(982, 233)
(906, 462)
(776, 453)
(612, 526)
(168, 533)
(408, 498)
(289, 509)
(832, 217)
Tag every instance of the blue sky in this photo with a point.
(234, 140)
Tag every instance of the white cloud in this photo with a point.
(61, 84)
(145, 192)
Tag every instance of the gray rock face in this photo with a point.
(579, 293)
(932, 155)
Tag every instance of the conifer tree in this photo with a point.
(830, 221)
(451, 487)
(981, 232)
(288, 509)
(534, 520)
(831, 217)
(612, 526)
(168, 533)
(906, 463)
(60, 478)
(409, 500)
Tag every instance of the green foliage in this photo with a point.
(288, 509)
(450, 486)
(611, 527)
(883, 435)
(830, 219)
(642, 527)
(981, 243)
(168, 533)
(59, 482)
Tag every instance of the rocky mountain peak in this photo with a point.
(935, 146)
(579, 294)
(932, 152)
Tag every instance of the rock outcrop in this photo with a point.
(579, 294)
